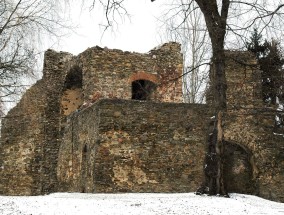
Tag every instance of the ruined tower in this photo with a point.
(114, 121)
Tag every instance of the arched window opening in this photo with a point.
(85, 149)
(143, 89)
(72, 97)
(74, 78)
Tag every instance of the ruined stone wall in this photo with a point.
(109, 73)
(52, 141)
(30, 134)
(251, 125)
(21, 149)
(243, 79)
(253, 130)
(32, 131)
(56, 68)
(133, 146)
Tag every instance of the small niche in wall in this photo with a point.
(72, 97)
(143, 89)
(85, 149)
(84, 167)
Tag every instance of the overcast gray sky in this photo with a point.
(139, 34)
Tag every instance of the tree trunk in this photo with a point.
(214, 183)
(220, 87)
(215, 15)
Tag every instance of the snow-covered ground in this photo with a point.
(146, 204)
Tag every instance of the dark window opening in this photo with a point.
(72, 95)
(73, 78)
(85, 149)
(84, 167)
(142, 89)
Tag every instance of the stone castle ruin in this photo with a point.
(114, 121)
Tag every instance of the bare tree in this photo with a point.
(23, 25)
(225, 17)
(114, 11)
(189, 29)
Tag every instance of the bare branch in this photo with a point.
(23, 25)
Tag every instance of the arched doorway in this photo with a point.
(143, 89)
(237, 169)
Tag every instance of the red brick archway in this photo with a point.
(143, 85)
(143, 76)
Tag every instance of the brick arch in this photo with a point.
(141, 75)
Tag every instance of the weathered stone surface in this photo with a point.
(30, 137)
(77, 129)
(251, 125)
(32, 131)
(149, 147)
(111, 72)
